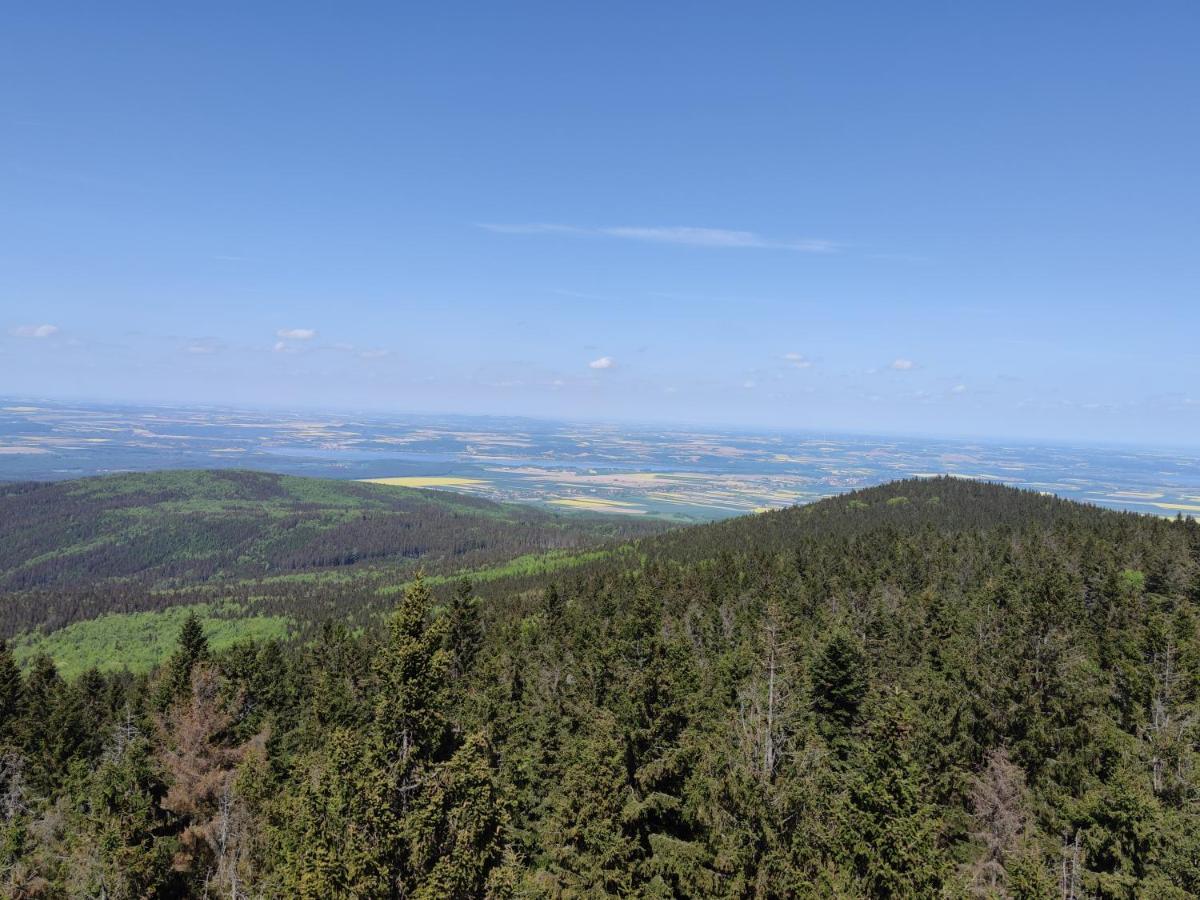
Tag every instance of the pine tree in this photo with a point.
(190, 648)
(591, 854)
(340, 836)
(410, 721)
(118, 841)
(410, 729)
(11, 693)
(839, 683)
(40, 723)
(465, 629)
(553, 605)
(456, 833)
(654, 715)
(894, 828)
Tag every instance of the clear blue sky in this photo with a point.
(953, 218)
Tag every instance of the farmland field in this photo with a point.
(672, 472)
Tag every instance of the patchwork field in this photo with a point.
(633, 471)
(426, 481)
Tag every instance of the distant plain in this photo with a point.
(674, 472)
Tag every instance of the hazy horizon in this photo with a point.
(813, 430)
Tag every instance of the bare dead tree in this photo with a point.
(1000, 805)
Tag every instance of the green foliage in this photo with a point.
(116, 837)
(139, 641)
(191, 648)
(839, 681)
(975, 692)
(340, 832)
(456, 832)
(11, 691)
(412, 667)
(464, 629)
(589, 852)
(896, 822)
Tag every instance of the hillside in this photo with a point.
(933, 688)
(75, 550)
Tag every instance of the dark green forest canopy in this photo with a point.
(73, 550)
(931, 688)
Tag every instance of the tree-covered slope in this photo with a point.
(179, 528)
(928, 689)
(76, 550)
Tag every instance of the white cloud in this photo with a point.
(749, 384)
(296, 334)
(959, 389)
(797, 360)
(604, 362)
(902, 365)
(688, 235)
(374, 354)
(35, 331)
(280, 346)
(716, 237)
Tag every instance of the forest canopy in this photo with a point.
(927, 689)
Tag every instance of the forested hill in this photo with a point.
(929, 689)
(247, 544)
(944, 504)
(181, 527)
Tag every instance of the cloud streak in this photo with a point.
(296, 334)
(681, 235)
(35, 331)
(604, 362)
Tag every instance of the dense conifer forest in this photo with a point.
(933, 688)
(73, 550)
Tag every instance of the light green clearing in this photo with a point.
(140, 641)
(529, 564)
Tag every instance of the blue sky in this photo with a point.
(940, 218)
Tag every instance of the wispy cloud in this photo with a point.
(716, 237)
(797, 360)
(685, 235)
(900, 364)
(296, 334)
(204, 346)
(604, 362)
(35, 331)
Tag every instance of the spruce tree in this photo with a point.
(191, 647)
(119, 838)
(410, 718)
(839, 683)
(465, 630)
(895, 827)
(456, 833)
(11, 693)
(340, 837)
(591, 853)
